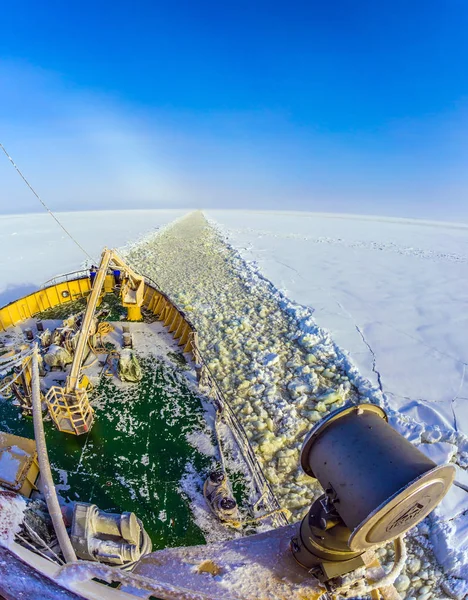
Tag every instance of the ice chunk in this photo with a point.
(270, 359)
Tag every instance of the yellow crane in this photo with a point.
(69, 406)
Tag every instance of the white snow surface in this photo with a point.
(12, 509)
(390, 291)
(202, 442)
(35, 248)
(10, 462)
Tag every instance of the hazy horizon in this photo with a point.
(354, 109)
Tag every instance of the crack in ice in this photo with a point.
(456, 397)
(374, 360)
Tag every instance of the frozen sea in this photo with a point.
(391, 292)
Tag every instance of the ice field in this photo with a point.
(34, 248)
(391, 293)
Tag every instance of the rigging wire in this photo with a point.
(42, 202)
(38, 538)
(37, 550)
(12, 361)
(8, 385)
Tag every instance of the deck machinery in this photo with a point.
(69, 405)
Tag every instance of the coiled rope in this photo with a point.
(43, 203)
(357, 585)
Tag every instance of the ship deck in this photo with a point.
(152, 443)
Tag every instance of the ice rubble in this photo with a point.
(279, 370)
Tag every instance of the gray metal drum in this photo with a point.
(380, 484)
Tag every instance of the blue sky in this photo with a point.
(344, 106)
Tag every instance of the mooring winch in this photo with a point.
(117, 539)
(377, 486)
(218, 495)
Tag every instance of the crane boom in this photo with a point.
(69, 405)
(74, 376)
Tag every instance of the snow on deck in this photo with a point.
(11, 460)
(12, 509)
(394, 293)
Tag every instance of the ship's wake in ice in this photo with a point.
(279, 370)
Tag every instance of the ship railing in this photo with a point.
(65, 277)
(260, 481)
(207, 380)
(156, 286)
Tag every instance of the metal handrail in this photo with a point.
(80, 274)
(245, 440)
(242, 439)
(155, 286)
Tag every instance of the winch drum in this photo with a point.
(380, 484)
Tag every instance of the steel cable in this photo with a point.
(43, 203)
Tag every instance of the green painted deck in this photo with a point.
(136, 453)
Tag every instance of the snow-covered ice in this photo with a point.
(393, 293)
(34, 248)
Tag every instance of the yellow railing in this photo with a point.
(171, 315)
(67, 291)
(49, 297)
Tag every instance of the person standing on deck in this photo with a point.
(92, 274)
(117, 278)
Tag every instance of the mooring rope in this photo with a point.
(353, 586)
(43, 203)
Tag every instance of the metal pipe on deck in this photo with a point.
(46, 473)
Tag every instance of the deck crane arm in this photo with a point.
(132, 291)
(133, 287)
